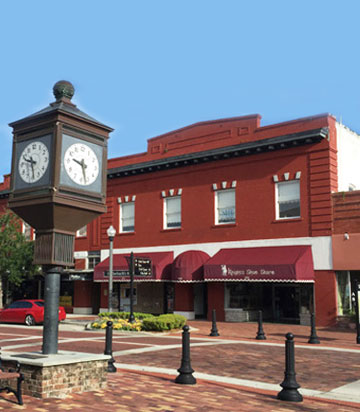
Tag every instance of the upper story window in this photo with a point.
(127, 217)
(225, 207)
(93, 259)
(172, 212)
(27, 232)
(82, 232)
(288, 199)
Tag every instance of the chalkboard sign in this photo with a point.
(142, 266)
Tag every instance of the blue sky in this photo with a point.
(146, 67)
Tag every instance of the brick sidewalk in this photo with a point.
(317, 369)
(276, 332)
(133, 392)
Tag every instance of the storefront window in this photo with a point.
(245, 296)
(306, 299)
(343, 292)
(290, 303)
(66, 293)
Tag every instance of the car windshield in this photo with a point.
(38, 303)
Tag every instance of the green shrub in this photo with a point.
(163, 322)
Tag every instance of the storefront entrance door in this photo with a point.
(286, 304)
(200, 300)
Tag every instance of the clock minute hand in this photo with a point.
(84, 166)
(32, 162)
(32, 166)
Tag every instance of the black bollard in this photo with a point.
(313, 336)
(214, 331)
(108, 347)
(290, 386)
(260, 333)
(185, 370)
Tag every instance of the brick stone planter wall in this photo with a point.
(59, 380)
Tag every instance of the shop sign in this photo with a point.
(80, 276)
(226, 271)
(142, 267)
(117, 273)
(80, 255)
(77, 276)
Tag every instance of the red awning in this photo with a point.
(261, 264)
(189, 266)
(160, 264)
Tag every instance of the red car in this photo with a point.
(28, 311)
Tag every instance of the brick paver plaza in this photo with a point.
(235, 357)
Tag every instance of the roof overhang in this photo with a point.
(244, 149)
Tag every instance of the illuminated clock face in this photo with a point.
(81, 164)
(33, 162)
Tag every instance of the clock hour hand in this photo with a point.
(78, 162)
(31, 160)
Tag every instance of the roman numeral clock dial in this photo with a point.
(81, 164)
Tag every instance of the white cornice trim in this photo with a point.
(321, 248)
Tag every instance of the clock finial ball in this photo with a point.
(62, 89)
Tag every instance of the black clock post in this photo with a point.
(58, 185)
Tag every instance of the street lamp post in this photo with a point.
(111, 232)
(132, 272)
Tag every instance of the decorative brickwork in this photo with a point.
(346, 212)
(108, 218)
(320, 193)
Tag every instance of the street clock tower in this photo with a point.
(58, 179)
(58, 185)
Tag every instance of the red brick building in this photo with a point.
(234, 216)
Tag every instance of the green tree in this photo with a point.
(16, 255)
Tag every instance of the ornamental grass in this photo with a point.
(143, 321)
(118, 324)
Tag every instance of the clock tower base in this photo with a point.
(54, 247)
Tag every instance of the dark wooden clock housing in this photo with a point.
(58, 178)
